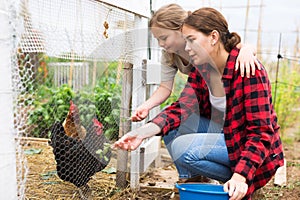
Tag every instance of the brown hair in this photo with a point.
(208, 19)
(170, 16)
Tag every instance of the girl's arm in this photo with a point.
(159, 96)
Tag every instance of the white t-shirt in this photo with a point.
(218, 102)
(170, 64)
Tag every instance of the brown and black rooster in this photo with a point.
(72, 123)
(75, 147)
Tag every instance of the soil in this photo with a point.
(157, 183)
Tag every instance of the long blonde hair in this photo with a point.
(170, 16)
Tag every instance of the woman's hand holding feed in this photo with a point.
(140, 113)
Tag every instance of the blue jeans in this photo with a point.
(198, 147)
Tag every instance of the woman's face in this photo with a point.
(171, 40)
(198, 45)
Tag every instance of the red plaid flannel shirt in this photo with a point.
(250, 127)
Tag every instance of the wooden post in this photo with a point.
(8, 177)
(94, 73)
(246, 21)
(296, 50)
(153, 80)
(70, 81)
(125, 125)
(119, 70)
(138, 97)
(258, 47)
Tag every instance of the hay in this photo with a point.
(42, 181)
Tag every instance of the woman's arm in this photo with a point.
(159, 96)
(247, 60)
(133, 139)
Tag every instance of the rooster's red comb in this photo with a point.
(72, 105)
(99, 126)
(97, 123)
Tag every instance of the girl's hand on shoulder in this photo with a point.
(247, 61)
(236, 187)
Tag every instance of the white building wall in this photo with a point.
(8, 180)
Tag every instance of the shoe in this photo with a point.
(175, 189)
(175, 196)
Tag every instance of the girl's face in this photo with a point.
(198, 45)
(171, 40)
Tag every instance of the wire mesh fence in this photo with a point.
(67, 71)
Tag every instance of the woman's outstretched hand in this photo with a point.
(133, 139)
(128, 142)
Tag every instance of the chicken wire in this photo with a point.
(70, 51)
(76, 29)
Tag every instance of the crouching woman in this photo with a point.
(237, 136)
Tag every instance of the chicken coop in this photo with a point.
(72, 72)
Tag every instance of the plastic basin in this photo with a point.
(191, 191)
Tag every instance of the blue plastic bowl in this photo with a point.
(195, 191)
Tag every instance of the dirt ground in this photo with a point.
(156, 184)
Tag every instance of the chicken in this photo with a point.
(72, 124)
(78, 159)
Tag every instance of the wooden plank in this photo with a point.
(149, 152)
(122, 157)
(137, 7)
(138, 90)
(33, 139)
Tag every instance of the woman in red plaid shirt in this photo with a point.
(237, 136)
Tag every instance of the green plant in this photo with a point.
(50, 105)
(287, 96)
(107, 101)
